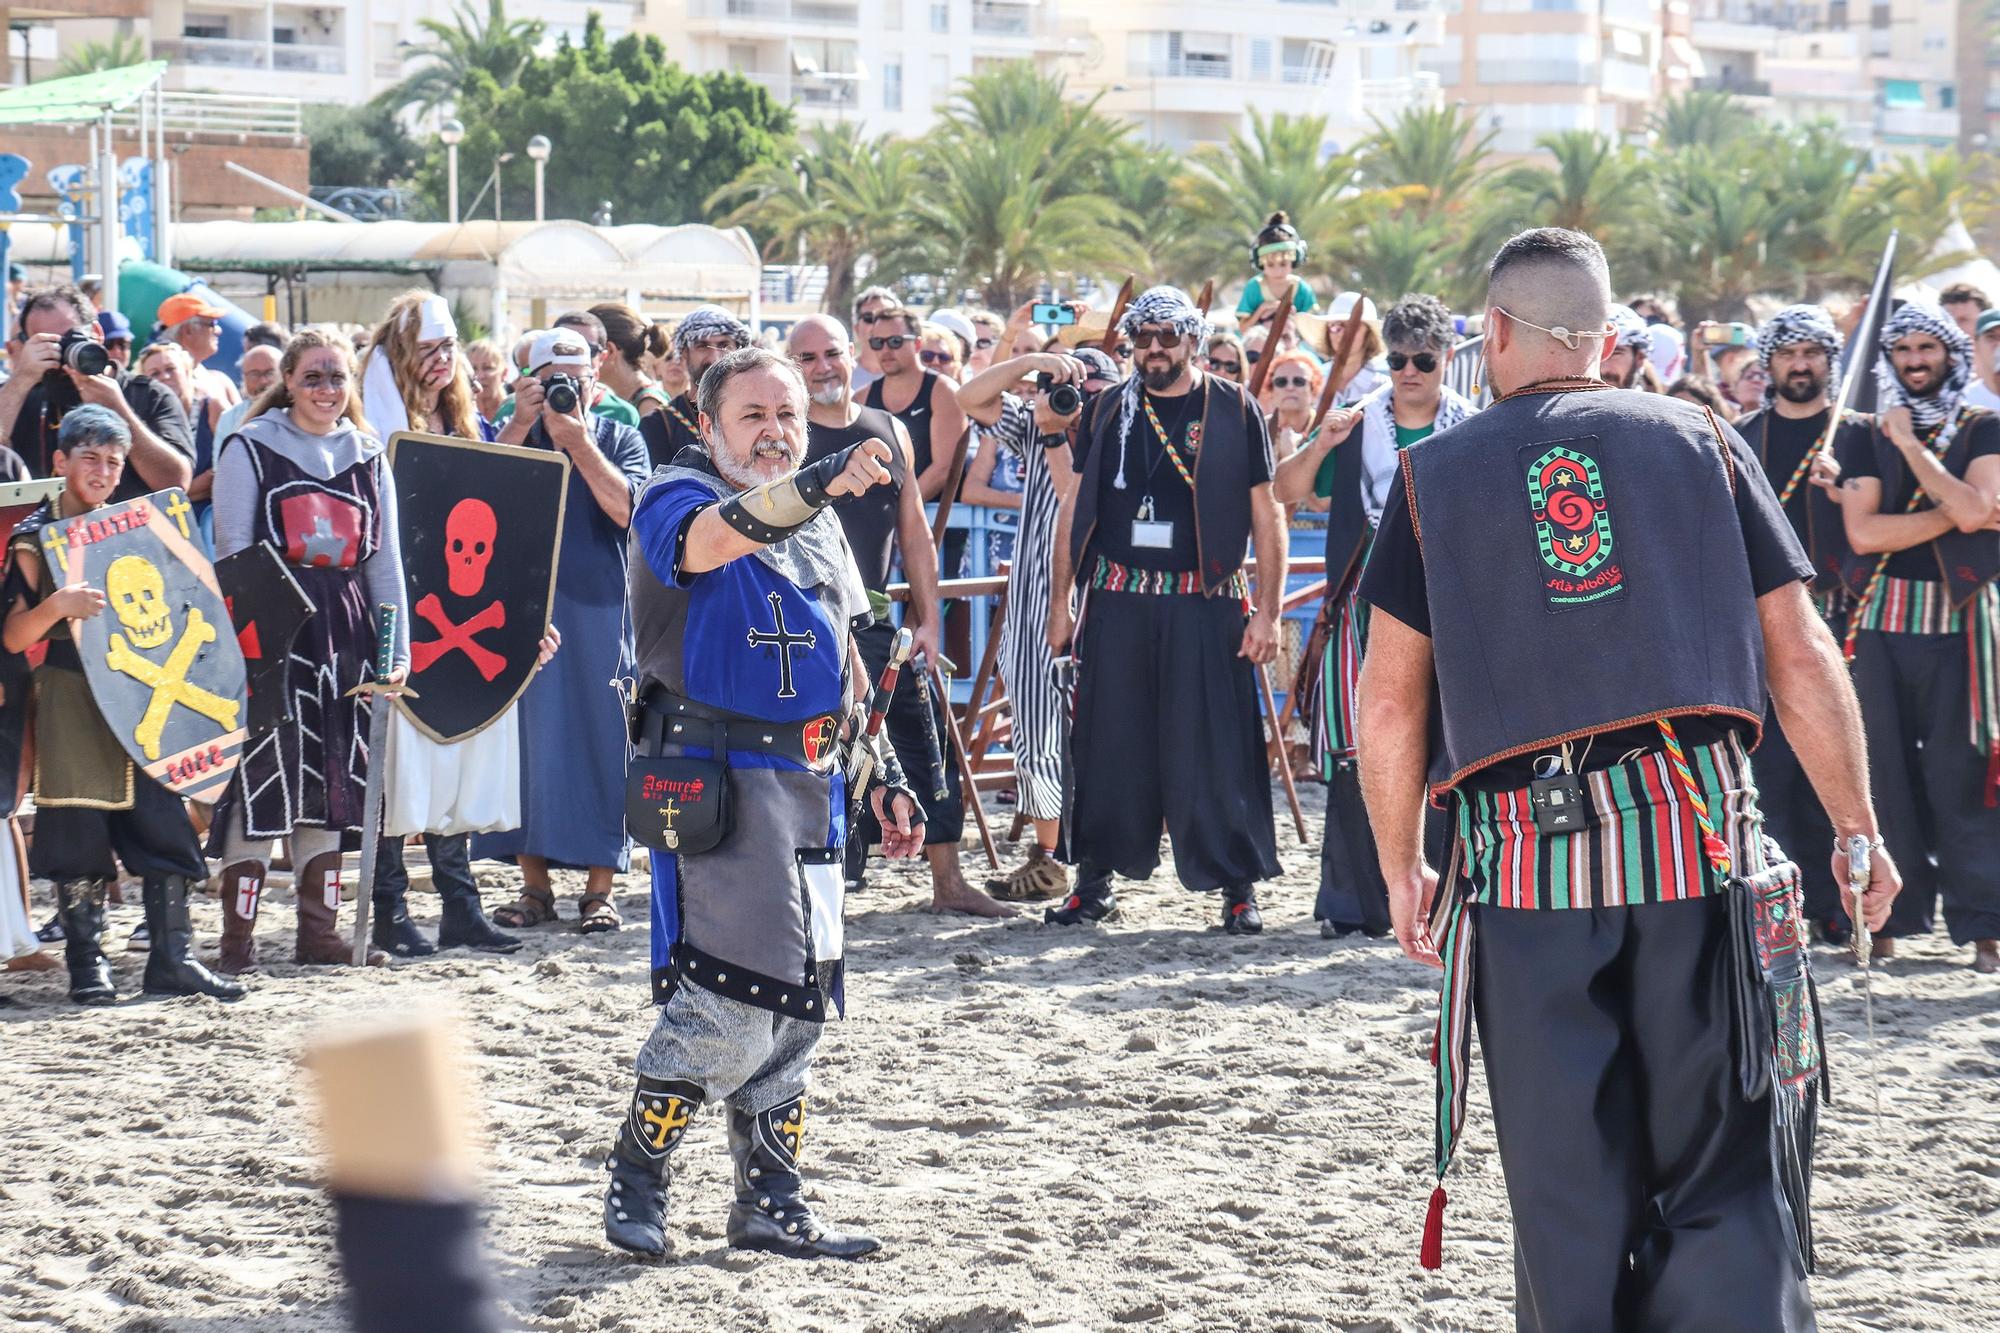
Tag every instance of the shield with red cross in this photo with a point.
(481, 528)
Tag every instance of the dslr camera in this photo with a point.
(1065, 399)
(561, 392)
(83, 354)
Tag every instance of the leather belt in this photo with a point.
(670, 719)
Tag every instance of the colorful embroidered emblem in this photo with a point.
(1573, 528)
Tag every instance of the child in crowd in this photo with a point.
(1277, 254)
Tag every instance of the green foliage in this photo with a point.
(493, 45)
(124, 48)
(1280, 164)
(624, 124)
(358, 145)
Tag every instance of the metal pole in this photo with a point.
(108, 219)
(541, 172)
(451, 180)
(163, 187)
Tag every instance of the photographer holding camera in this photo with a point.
(61, 363)
(572, 728)
(1028, 406)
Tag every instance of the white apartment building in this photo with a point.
(1787, 63)
(1189, 73)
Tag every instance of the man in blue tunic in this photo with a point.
(744, 595)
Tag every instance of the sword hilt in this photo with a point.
(385, 640)
(1859, 860)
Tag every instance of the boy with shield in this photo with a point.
(90, 798)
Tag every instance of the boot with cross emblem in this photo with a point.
(771, 1212)
(635, 1207)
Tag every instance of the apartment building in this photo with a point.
(1789, 63)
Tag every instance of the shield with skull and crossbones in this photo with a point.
(162, 661)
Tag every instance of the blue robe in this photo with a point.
(572, 720)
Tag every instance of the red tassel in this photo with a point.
(1432, 1253)
(1714, 846)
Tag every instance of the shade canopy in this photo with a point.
(79, 99)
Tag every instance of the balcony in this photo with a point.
(774, 16)
(1918, 124)
(237, 53)
(1186, 67)
(1733, 84)
(822, 92)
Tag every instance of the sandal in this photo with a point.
(535, 907)
(596, 914)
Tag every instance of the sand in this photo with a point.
(1148, 1125)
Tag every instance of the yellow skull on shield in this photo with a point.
(138, 597)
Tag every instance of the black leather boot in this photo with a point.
(1239, 911)
(390, 928)
(1092, 900)
(770, 1212)
(80, 904)
(635, 1207)
(169, 969)
(464, 924)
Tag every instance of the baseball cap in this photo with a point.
(957, 323)
(1988, 319)
(113, 326)
(1343, 306)
(186, 306)
(559, 347)
(17, 272)
(1102, 367)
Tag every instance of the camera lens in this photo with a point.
(83, 354)
(1064, 399)
(561, 394)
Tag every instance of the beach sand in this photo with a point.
(1144, 1125)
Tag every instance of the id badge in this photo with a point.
(1149, 533)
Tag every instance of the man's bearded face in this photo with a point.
(1800, 371)
(762, 433)
(826, 362)
(1159, 367)
(1921, 363)
(1620, 367)
(703, 353)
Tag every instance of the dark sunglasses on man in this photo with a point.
(877, 316)
(1425, 362)
(1164, 338)
(895, 342)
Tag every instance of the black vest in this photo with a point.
(1347, 529)
(1586, 571)
(1967, 561)
(1814, 515)
(1221, 479)
(665, 432)
(868, 519)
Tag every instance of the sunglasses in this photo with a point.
(1225, 367)
(876, 316)
(983, 343)
(1425, 362)
(895, 342)
(1290, 382)
(1163, 338)
(1123, 351)
(936, 358)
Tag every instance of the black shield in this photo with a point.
(162, 661)
(481, 527)
(268, 608)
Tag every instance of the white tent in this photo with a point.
(1980, 271)
(348, 270)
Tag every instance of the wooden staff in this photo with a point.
(1207, 297)
(1279, 323)
(1336, 377)
(1283, 756)
(1110, 341)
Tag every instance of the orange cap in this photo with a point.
(186, 306)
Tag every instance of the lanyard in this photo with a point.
(1167, 444)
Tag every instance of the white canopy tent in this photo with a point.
(351, 269)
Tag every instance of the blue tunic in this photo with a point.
(572, 719)
(757, 644)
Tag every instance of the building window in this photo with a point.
(892, 86)
(940, 16)
(1947, 97)
(1260, 59)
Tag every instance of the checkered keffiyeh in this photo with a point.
(1629, 330)
(1800, 324)
(705, 321)
(1156, 305)
(1932, 408)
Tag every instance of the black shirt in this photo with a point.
(1393, 584)
(1857, 459)
(34, 434)
(871, 518)
(1150, 473)
(1782, 444)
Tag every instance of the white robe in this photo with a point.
(473, 786)
(17, 929)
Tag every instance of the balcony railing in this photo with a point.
(1185, 68)
(777, 11)
(236, 53)
(221, 114)
(811, 90)
(1012, 21)
(1735, 85)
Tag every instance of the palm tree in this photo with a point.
(1830, 237)
(1433, 157)
(1596, 186)
(1396, 253)
(1927, 196)
(1700, 118)
(845, 199)
(1280, 164)
(123, 49)
(1724, 216)
(1152, 186)
(494, 44)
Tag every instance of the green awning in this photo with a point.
(1903, 94)
(78, 100)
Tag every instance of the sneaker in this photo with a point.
(1036, 879)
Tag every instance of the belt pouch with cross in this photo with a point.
(676, 802)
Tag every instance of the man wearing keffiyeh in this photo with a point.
(704, 336)
(1799, 349)
(1173, 483)
(1627, 351)
(1919, 506)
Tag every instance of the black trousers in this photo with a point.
(1167, 731)
(1794, 816)
(1929, 782)
(451, 865)
(1352, 894)
(923, 749)
(1642, 1184)
(152, 839)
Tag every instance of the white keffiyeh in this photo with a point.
(705, 321)
(1156, 305)
(1378, 441)
(1941, 405)
(1799, 324)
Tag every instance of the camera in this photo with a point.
(1065, 399)
(82, 353)
(561, 393)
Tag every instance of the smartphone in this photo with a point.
(1726, 335)
(1052, 312)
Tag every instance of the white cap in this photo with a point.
(957, 323)
(1343, 306)
(559, 347)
